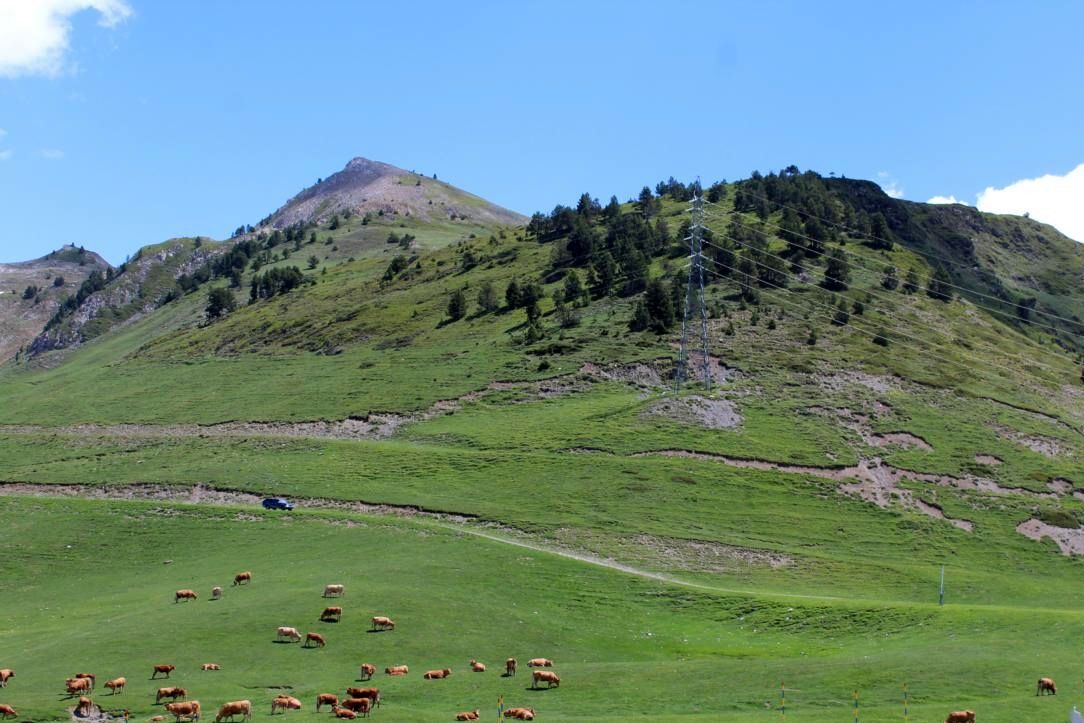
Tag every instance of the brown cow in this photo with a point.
(545, 676)
(510, 666)
(5, 675)
(167, 669)
(520, 713)
(372, 694)
(316, 638)
(184, 710)
(437, 674)
(327, 699)
(77, 685)
(234, 707)
(468, 715)
(7, 711)
(397, 670)
(1046, 685)
(89, 676)
(242, 577)
(331, 614)
(539, 663)
(961, 716)
(367, 671)
(172, 693)
(382, 623)
(344, 713)
(477, 667)
(185, 595)
(86, 706)
(210, 666)
(284, 703)
(334, 590)
(364, 706)
(284, 631)
(117, 684)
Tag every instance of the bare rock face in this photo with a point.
(365, 186)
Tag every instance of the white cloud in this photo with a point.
(4, 155)
(1056, 200)
(53, 154)
(889, 184)
(947, 199)
(34, 33)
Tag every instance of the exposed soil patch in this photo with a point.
(699, 555)
(1046, 446)
(641, 375)
(841, 381)
(859, 423)
(1069, 541)
(901, 439)
(700, 411)
(1060, 485)
(989, 460)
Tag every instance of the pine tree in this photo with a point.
(910, 283)
(512, 295)
(939, 286)
(220, 302)
(457, 305)
(487, 298)
(890, 280)
(837, 272)
(660, 308)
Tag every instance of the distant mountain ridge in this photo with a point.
(371, 187)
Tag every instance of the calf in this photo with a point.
(539, 663)
(1046, 685)
(468, 715)
(344, 713)
(382, 623)
(6, 674)
(216, 593)
(116, 685)
(242, 578)
(234, 707)
(372, 694)
(185, 595)
(359, 705)
(477, 667)
(520, 713)
(367, 671)
(165, 669)
(397, 670)
(210, 666)
(316, 638)
(85, 707)
(184, 710)
(510, 667)
(437, 674)
(7, 711)
(284, 631)
(961, 716)
(171, 693)
(545, 676)
(284, 703)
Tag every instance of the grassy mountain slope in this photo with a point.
(53, 277)
(799, 513)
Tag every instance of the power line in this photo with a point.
(860, 235)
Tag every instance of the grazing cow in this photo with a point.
(364, 706)
(545, 676)
(961, 716)
(8, 712)
(166, 669)
(315, 638)
(89, 676)
(372, 694)
(333, 590)
(367, 671)
(234, 707)
(477, 667)
(468, 715)
(327, 699)
(397, 670)
(285, 703)
(288, 632)
(216, 593)
(185, 595)
(344, 713)
(331, 614)
(77, 685)
(116, 685)
(382, 623)
(184, 710)
(5, 675)
(242, 578)
(539, 663)
(520, 713)
(173, 693)
(210, 666)
(1046, 685)
(510, 667)
(437, 674)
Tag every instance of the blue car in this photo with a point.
(277, 503)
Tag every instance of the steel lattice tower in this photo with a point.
(695, 304)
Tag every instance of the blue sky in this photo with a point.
(155, 119)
